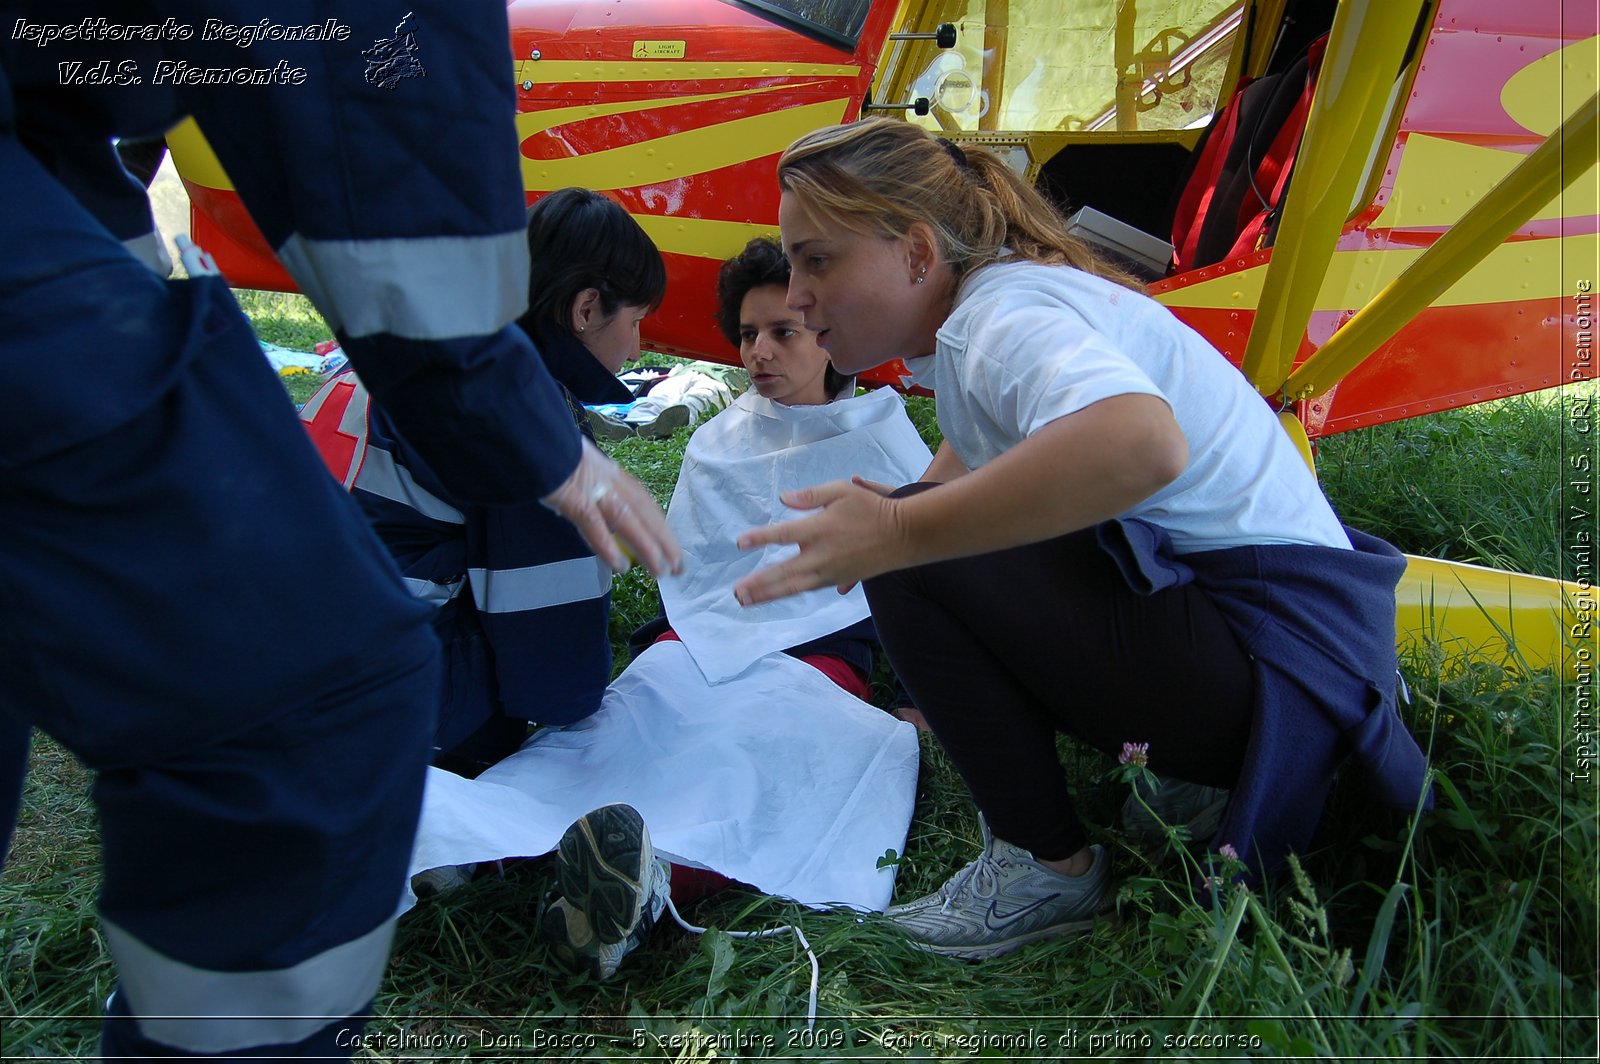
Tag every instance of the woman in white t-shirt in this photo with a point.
(1116, 539)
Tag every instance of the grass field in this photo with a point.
(1469, 933)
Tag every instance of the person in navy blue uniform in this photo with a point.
(522, 602)
(189, 604)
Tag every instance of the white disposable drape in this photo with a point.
(733, 471)
(776, 778)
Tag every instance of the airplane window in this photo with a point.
(835, 21)
(1045, 66)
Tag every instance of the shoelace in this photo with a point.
(811, 1000)
(982, 866)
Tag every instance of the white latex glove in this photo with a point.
(197, 261)
(616, 515)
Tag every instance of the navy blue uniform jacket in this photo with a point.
(523, 603)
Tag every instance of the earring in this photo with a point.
(582, 327)
(921, 275)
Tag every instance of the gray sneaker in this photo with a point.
(1004, 900)
(613, 889)
(431, 882)
(1177, 803)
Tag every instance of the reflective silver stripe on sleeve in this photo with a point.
(431, 590)
(419, 288)
(151, 250)
(357, 459)
(382, 476)
(537, 586)
(205, 1011)
(354, 423)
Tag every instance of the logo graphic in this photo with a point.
(995, 920)
(393, 59)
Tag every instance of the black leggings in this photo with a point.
(1000, 651)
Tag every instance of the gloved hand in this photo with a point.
(616, 515)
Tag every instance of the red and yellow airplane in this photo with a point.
(1421, 233)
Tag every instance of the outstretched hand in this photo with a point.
(858, 534)
(616, 515)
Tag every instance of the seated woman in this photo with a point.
(741, 759)
(523, 603)
(722, 479)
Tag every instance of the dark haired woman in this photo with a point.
(595, 275)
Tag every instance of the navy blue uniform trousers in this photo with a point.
(195, 609)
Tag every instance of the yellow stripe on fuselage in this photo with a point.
(1543, 94)
(1521, 269)
(1439, 179)
(676, 155)
(577, 71)
(707, 238)
(647, 162)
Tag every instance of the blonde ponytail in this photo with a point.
(880, 175)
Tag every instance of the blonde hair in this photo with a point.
(881, 175)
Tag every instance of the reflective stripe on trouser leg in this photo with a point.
(201, 1011)
(260, 875)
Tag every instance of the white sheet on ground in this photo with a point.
(776, 778)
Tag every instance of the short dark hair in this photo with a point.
(579, 239)
(760, 263)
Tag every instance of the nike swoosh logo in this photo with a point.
(995, 920)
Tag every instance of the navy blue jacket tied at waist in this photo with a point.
(1318, 623)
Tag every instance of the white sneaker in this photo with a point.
(612, 890)
(1004, 900)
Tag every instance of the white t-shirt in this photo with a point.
(1026, 344)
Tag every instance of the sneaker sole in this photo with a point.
(603, 859)
(671, 420)
(562, 940)
(607, 429)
